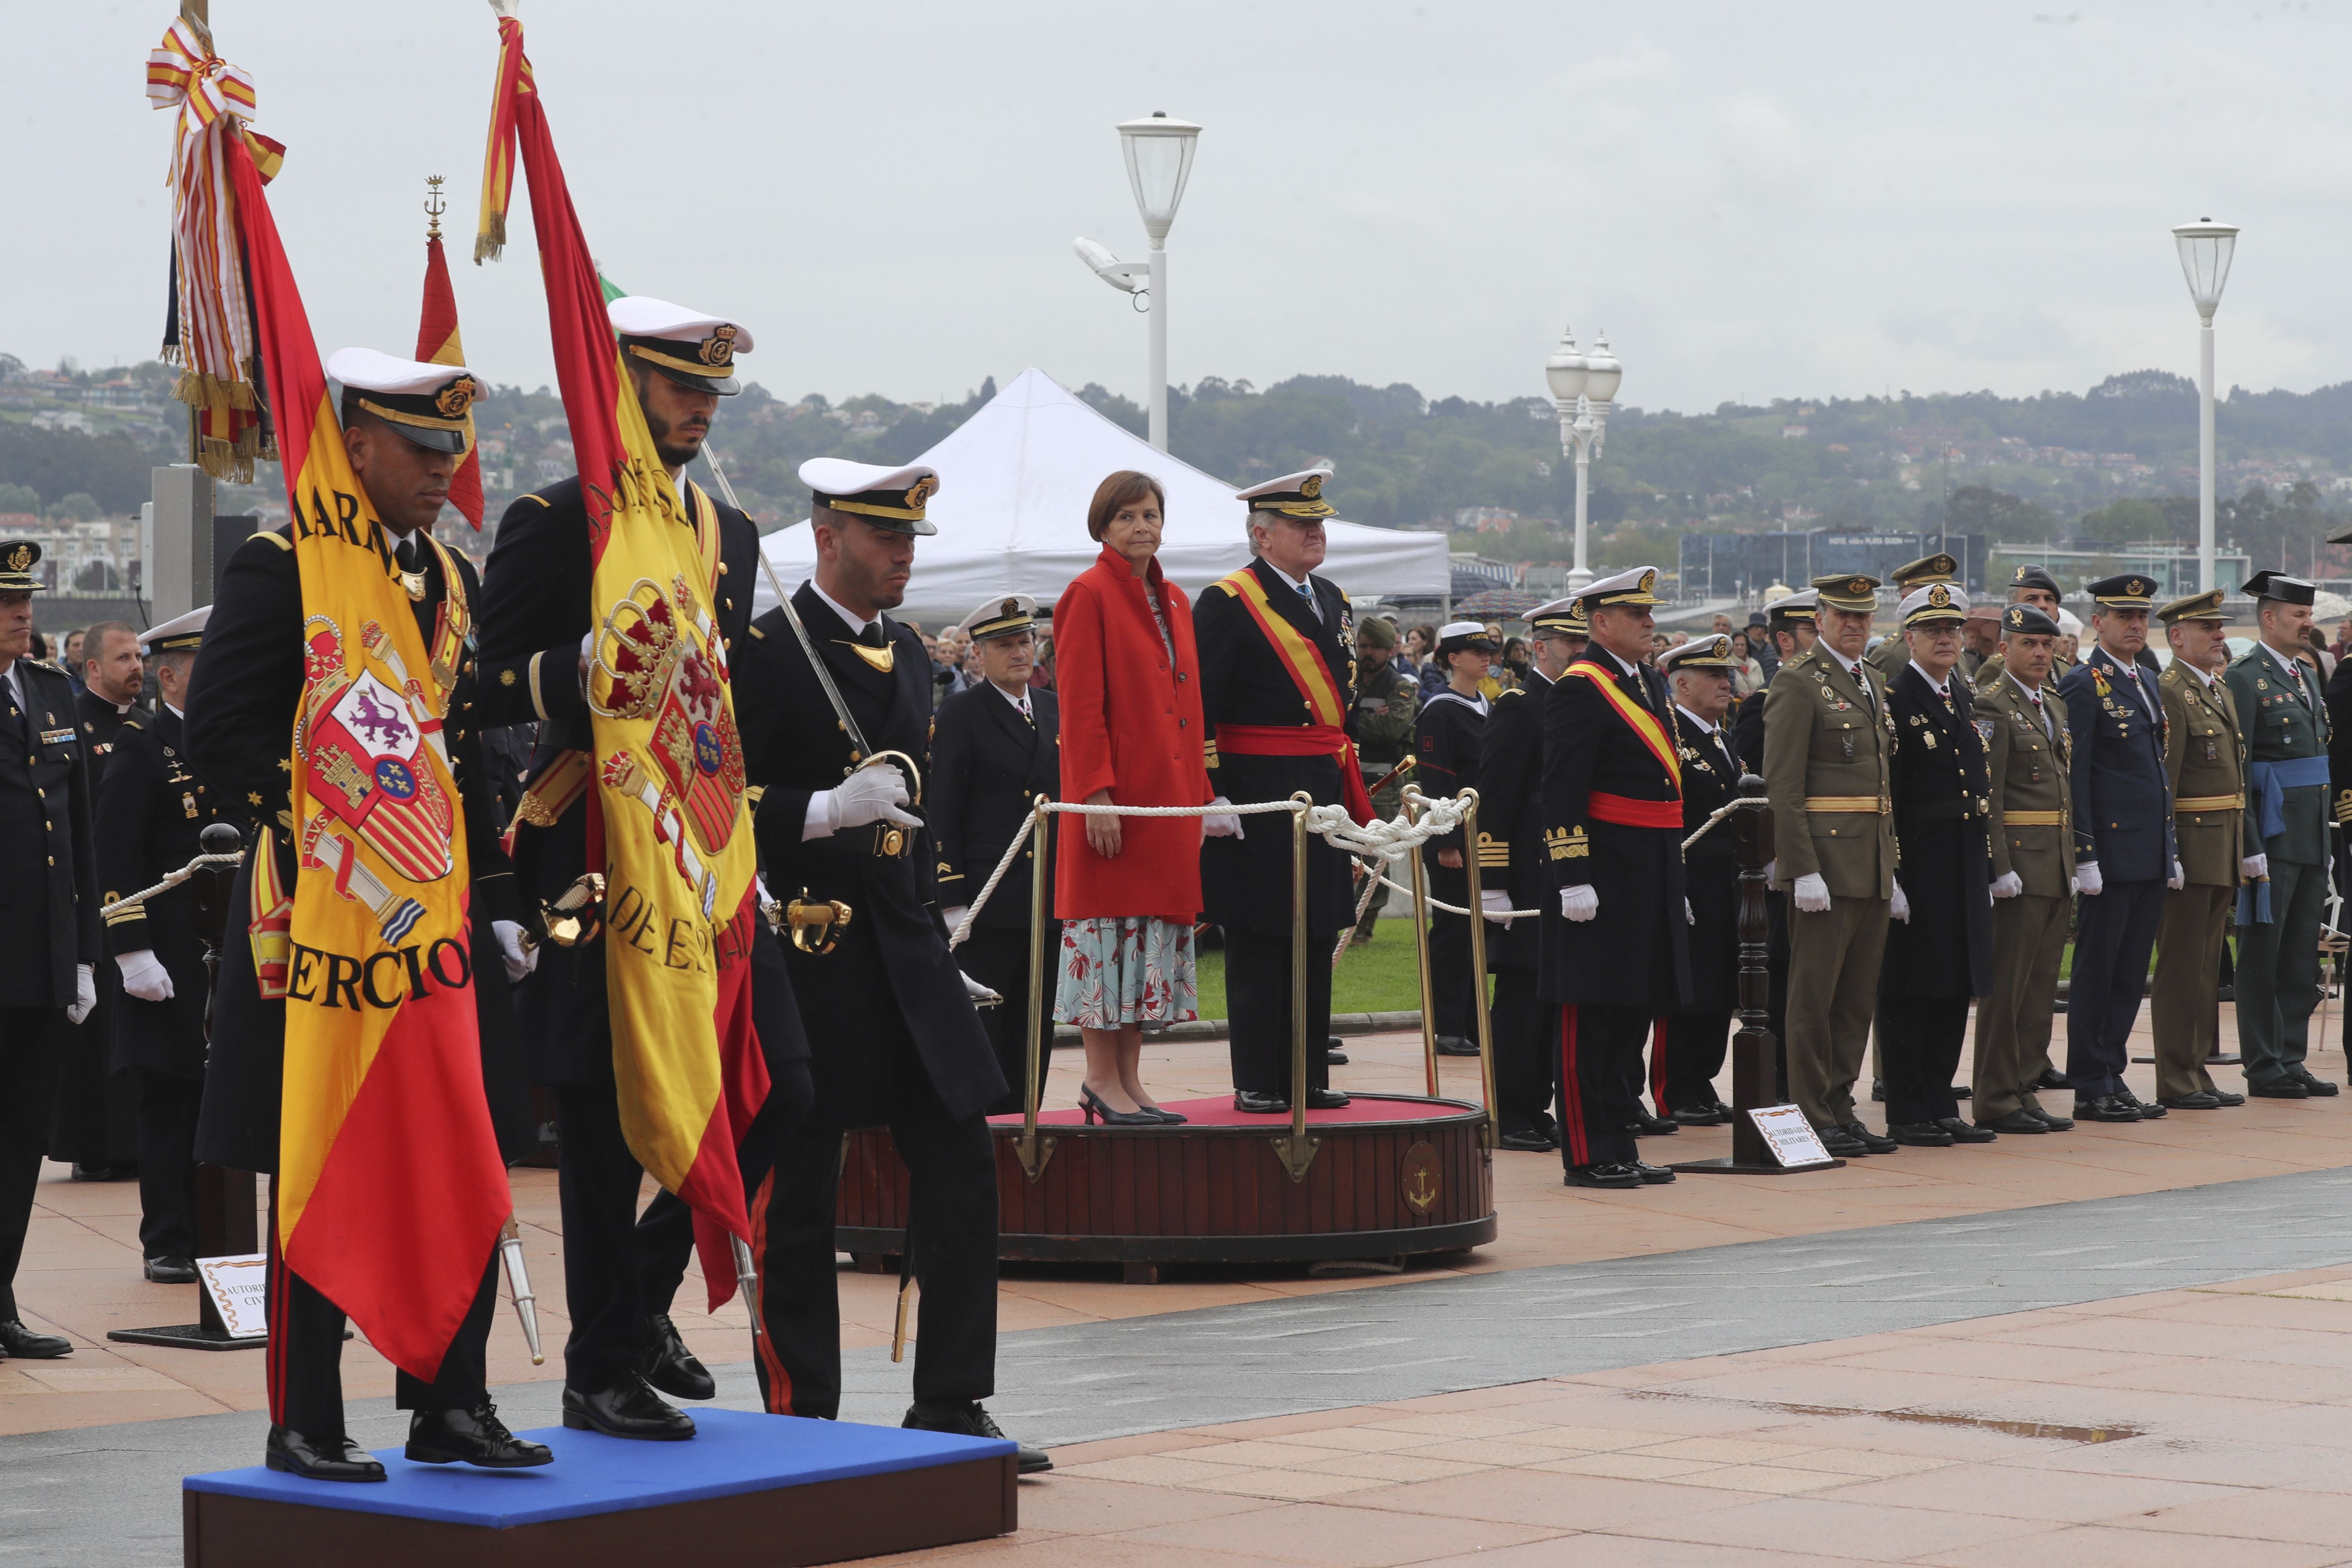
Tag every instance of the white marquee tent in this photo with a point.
(1014, 482)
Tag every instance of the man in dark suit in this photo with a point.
(1277, 681)
(2125, 858)
(49, 942)
(1688, 1049)
(1612, 828)
(152, 811)
(995, 750)
(890, 1021)
(242, 699)
(538, 603)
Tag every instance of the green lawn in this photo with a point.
(1382, 977)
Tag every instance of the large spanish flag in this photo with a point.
(667, 817)
(390, 1188)
(436, 344)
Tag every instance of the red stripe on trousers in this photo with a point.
(780, 1381)
(1573, 1092)
(1658, 1049)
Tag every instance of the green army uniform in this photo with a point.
(2027, 754)
(2284, 718)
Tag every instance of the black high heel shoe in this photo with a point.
(1160, 1112)
(1092, 1105)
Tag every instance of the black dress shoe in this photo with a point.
(1699, 1116)
(2051, 1079)
(1652, 1175)
(2199, 1099)
(630, 1408)
(120, 1171)
(2050, 1119)
(2147, 1113)
(1963, 1091)
(169, 1271)
(2223, 1097)
(1608, 1173)
(1648, 1126)
(2281, 1089)
(340, 1459)
(1871, 1143)
(1456, 1046)
(966, 1418)
(1919, 1135)
(2018, 1120)
(1324, 1099)
(2318, 1087)
(1525, 1142)
(2105, 1108)
(1878, 1092)
(669, 1366)
(1333, 1057)
(1963, 1134)
(1839, 1144)
(22, 1342)
(476, 1437)
(1256, 1102)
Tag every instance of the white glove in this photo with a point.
(2258, 867)
(1813, 893)
(1690, 915)
(870, 794)
(2087, 879)
(980, 996)
(1493, 905)
(85, 992)
(2008, 885)
(144, 976)
(1580, 903)
(953, 914)
(519, 960)
(1901, 907)
(1222, 823)
(1771, 871)
(2179, 879)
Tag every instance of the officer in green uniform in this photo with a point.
(2281, 707)
(2205, 752)
(1387, 699)
(2029, 584)
(1889, 658)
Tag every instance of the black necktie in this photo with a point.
(405, 553)
(872, 636)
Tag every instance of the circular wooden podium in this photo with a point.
(1390, 1176)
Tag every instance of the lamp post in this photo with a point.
(2205, 250)
(1159, 161)
(1582, 386)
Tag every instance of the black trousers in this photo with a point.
(664, 1233)
(1687, 1052)
(1453, 989)
(95, 1119)
(31, 1042)
(167, 1161)
(1920, 1041)
(306, 1351)
(1600, 1082)
(2114, 934)
(1523, 1052)
(1258, 1002)
(998, 957)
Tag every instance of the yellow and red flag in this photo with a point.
(391, 1191)
(666, 816)
(436, 344)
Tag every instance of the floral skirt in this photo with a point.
(1117, 972)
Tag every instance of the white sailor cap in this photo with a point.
(430, 404)
(1637, 586)
(689, 347)
(1293, 495)
(1454, 636)
(886, 496)
(1002, 616)
(178, 633)
(1936, 602)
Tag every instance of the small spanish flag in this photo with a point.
(436, 344)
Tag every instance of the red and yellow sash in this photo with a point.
(1643, 722)
(1304, 661)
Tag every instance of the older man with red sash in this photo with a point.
(1278, 678)
(1617, 954)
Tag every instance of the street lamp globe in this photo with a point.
(1159, 161)
(1567, 371)
(2206, 248)
(1605, 373)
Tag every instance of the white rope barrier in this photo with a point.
(171, 880)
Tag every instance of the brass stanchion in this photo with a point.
(1478, 968)
(1295, 1148)
(1413, 799)
(1033, 1153)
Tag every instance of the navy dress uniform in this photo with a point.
(896, 1040)
(1942, 955)
(1889, 656)
(1453, 729)
(1690, 1043)
(1612, 829)
(153, 808)
(993, 752)
(1275, 738)
(96, 1125)
(537, 607)
(2284, 713)
(49, 941)
(2123, 855)
(244, 693)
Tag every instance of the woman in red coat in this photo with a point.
(1128, 890)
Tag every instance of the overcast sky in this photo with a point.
(1752, 200)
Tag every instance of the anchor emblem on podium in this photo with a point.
(1421, 1179)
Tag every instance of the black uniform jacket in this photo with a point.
(1636, 952)
(151, 809)
(101, 722)
(1245, 881)
(891, 970)
(1511, 821)
(989, 764)
(1748, 731)
(1452, 733)
(1711, 866)
(535, 609)
(1943, 799)
(49, 919)
(242, 697)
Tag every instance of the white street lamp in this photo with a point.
(2206, 248)
(1158, 162)
(1582, 386)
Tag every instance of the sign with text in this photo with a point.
(239, 1287)
(1788, 1135)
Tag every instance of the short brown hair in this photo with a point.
(1124, 487)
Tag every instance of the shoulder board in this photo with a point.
(133, 724)
(760, 635)
(1513, 691)
(1221, 586)
(541, 500)
(50, 665)
(280, 540)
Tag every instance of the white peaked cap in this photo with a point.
(366, 370)
(643, 316)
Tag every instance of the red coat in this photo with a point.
(1130, 725)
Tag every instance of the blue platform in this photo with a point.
(733, 1452)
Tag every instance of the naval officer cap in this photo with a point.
(886, 496)
(1460, 636)
(1937, 568)
(1293, 495)
(2125, 591)
(180, 634)
(1936, 602)
(694, 349)
(427, 404)
(1793, 608)
(2028, 621)
(1700, 653)
(18, 558)
(2278, 585)
(2029, 576)
(1857, 591)
(1002, 616)
(2204, 606)
(1562, 617)
(1638, 587)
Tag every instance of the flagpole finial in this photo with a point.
(433, 205)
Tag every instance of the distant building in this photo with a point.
(1725, 565)
(2172, 566)
(1485, 520)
